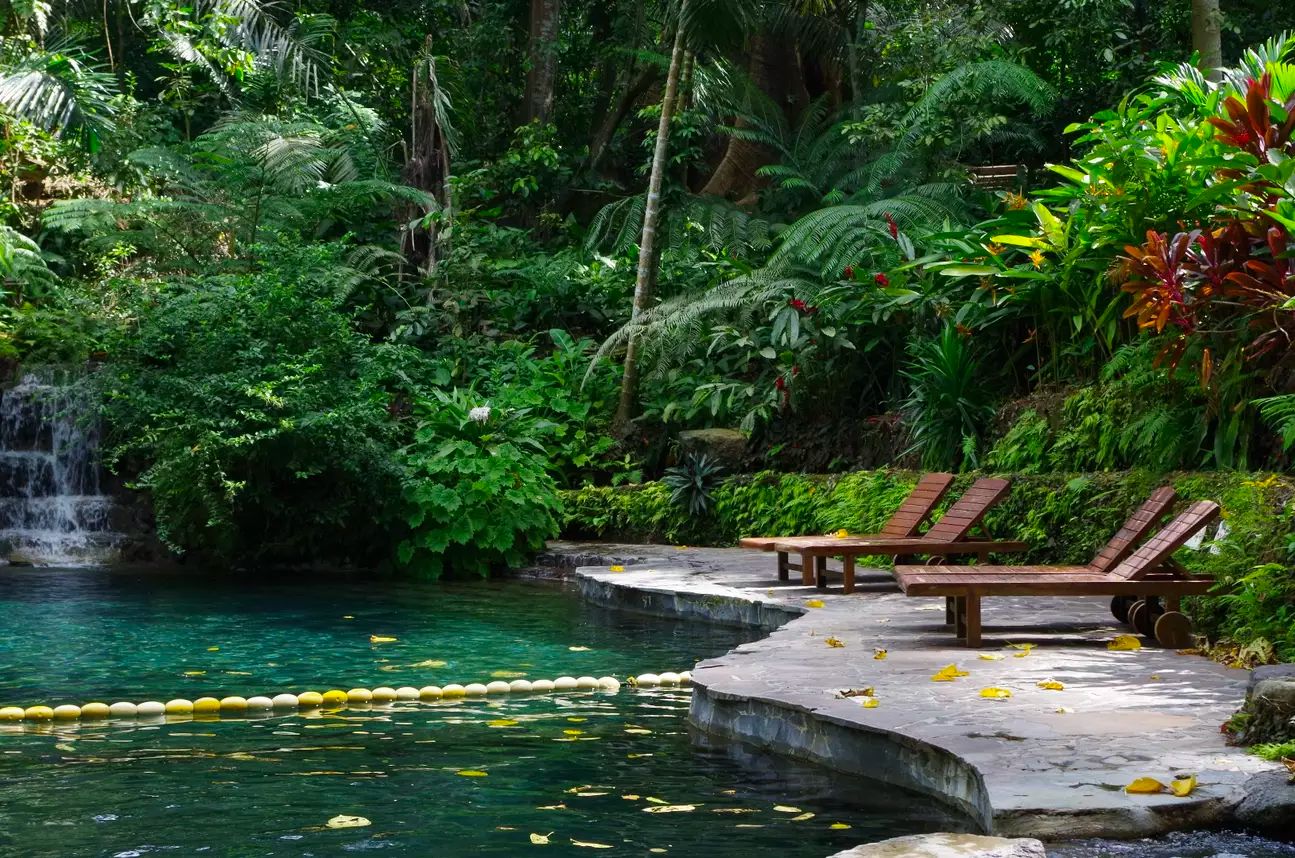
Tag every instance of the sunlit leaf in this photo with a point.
(1125, 643)
(1183, 787)
(578, 648)
(1051, 685)
(995, 693)
(1145, 786)
(786, 808)
(381, 639)
(834, 643)
(541, 839)
(589, 845)
(838, 826)
(879, 654)
(471, 773)
(803, 817)
(670, 808)
(986, 657)
(348, 822)
(814, 603)
(948, 673)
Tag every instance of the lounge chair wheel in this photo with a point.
(1174, 630)
(1120, 607)
(1135, 607)
(1143, 616)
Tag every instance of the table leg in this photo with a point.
(784, 573)
(806, 569)
(972, 608)
(847, 569)
(820, 572)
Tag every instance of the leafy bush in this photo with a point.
(691, 483)
(949, 406)
(476, 490)
(256, 417)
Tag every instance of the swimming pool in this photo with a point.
(587, 772)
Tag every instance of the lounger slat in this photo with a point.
(969, 509)
(1135, 530)
(1173, 536)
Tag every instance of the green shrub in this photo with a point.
(476, 488)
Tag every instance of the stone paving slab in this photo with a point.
(1048, 764)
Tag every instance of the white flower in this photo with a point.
(480, 414)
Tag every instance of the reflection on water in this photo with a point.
(1198, 844)
(591, 768)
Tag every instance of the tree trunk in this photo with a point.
(651, 216)
(1207, 39)
(624, 105)
(428, 167)
(543, 74)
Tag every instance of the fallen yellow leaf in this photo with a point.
(802, 817)
(630, 797)
(552, 807)
(838, 826)
(814, 603)
(541, 839)
(1050, 685)
(834, 643)
(589, 845)
(1145, 786)
(995, 693)
(578, 648)
(507, 674)
(1125, 643)
(656, 800)
(471, 773)
(618, 568)
(573, 732)
(670, 808)
(786, 808)
(502, 722)
(1183, 788)
(986, 657)
(195, 673)
(733, 810)
(842, 533)
(348, 822)
(431, 662)
(879, 654)
(948, 673)
(589, 794)
(213, 649)
(869, 703)
(381, 639)
(1155, 677)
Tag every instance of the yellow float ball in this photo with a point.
(383, 694)
(429, 692)
(669, 678)
(11, 713)
(359, 695)
(498, 687)
(565, 683)
(123, 709)
(150, 709)
(259, 704)
(521, 686)
(334, 698)
(542, 686)
(179, 706)
(685, 677)
(67, 712)
(310, 698)
(230, 704)
(206, 706)
(453, 690)
(407, 692)
(38, 713)
(95, 710)
(474, 689)
(285, 701)
(586, 683)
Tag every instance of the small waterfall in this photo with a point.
(52, 510)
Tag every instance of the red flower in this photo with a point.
(795, 370)
(797, 303)
(881, 280)
(894, 227)
(780, 383)
(849, 272)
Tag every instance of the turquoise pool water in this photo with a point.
(571, 767)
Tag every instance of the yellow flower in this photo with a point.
(995, 248)
(1037, 258)
(618, 568)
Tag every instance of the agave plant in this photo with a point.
(693, 482)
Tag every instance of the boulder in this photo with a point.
(726, 446)
(1269, 671)
(1271, 710)
(1269, 805)
(948, 846)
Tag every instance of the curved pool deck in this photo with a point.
(1043, 763)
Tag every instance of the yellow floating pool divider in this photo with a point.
(208, 707)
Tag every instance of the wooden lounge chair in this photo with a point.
(906, 521)
(1147, 575)
(949, 535)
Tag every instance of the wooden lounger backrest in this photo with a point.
(968, 510)
(1159, 548)
(1128, 537)
(918, 506)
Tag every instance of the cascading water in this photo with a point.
(52, 509)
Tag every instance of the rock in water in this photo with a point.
(948, 846)
(1271, 711)
(1269, 805)
(726, 446)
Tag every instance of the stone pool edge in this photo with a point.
(779, 724)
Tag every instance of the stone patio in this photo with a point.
(1042, 763)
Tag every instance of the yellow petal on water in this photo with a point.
(1183, 788)
(658, 849)
(733, 810)
(505, 828)
(670, 808)
(838, 826)
(502, 722)
(577, 720)
(578, 648)
(575, 790)
(630, 797)
(213, 649)
(638, 731)
(348, 822)
(803, 817)
(834, 643)
(471, 773)
(431, 662)
(814, 603)
(347, 617)
(1125, 643)
(995, 693)
(507, 674)
(573, 732)
(541, 839)
(1145, 786)
(589, 794)
(748, 825)
(589, 845)
(381, 639)
(618, 568)
(552, 807)
(869, 703)
(65, 747)
(1155, 677)
(1050, 685)
(879, 654)
(786, 808)
(987, 657)
(195, 673)
(637, 756)
(656, 800)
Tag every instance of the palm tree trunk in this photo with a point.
(543, 74)
(1207, 39)
(651, 216)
